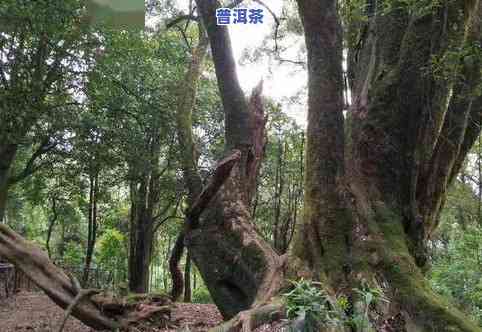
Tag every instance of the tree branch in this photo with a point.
(188, 17)
(166, 208)
(81, 294)
(233, 98)
(276, 20)
(221, 174)
(234, 4)
(471, 135)
(30, 167)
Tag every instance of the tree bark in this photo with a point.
(92, 228)
(142, 245)
(177, 278)
(408, 134)
(321, 245)
(144, 202)
(187, 280)
(238, 266)
(7, 155)
(372, 199)
(192, 179)
(51, 226)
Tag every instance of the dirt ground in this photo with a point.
(30, 312)
(33, 312)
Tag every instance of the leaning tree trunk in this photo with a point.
(36, 265)
(237, 265)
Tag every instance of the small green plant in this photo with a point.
(367, 298)
(201, 295)
(309, 303)
(417, 8)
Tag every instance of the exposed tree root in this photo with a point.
(146, 312)
(81, 295)
(247, 321)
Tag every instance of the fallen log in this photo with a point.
(36, 265)
(96, 310)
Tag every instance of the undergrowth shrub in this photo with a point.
(310, 308)
(201, 295)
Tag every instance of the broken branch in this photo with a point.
(221, 174)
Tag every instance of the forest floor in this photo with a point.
(34, 312)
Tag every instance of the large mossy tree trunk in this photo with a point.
(375, 182)
(372, 202)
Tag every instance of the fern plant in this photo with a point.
(367, 298)
(309, 304)
(311, 308)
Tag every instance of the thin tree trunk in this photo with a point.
(479, 180)
(132, 234)
(192, 179)
(139, 273)
(147, 198)
(278, 189)
(92, 232)
(61, 244)
(194, 281)
(187, 279)
(176, 273)
(51, 225)
(7, 156)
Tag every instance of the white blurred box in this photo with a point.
(122, 14)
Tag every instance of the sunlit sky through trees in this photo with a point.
(283, 82)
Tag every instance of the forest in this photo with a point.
(313, 165)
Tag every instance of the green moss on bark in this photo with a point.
(408, 284)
